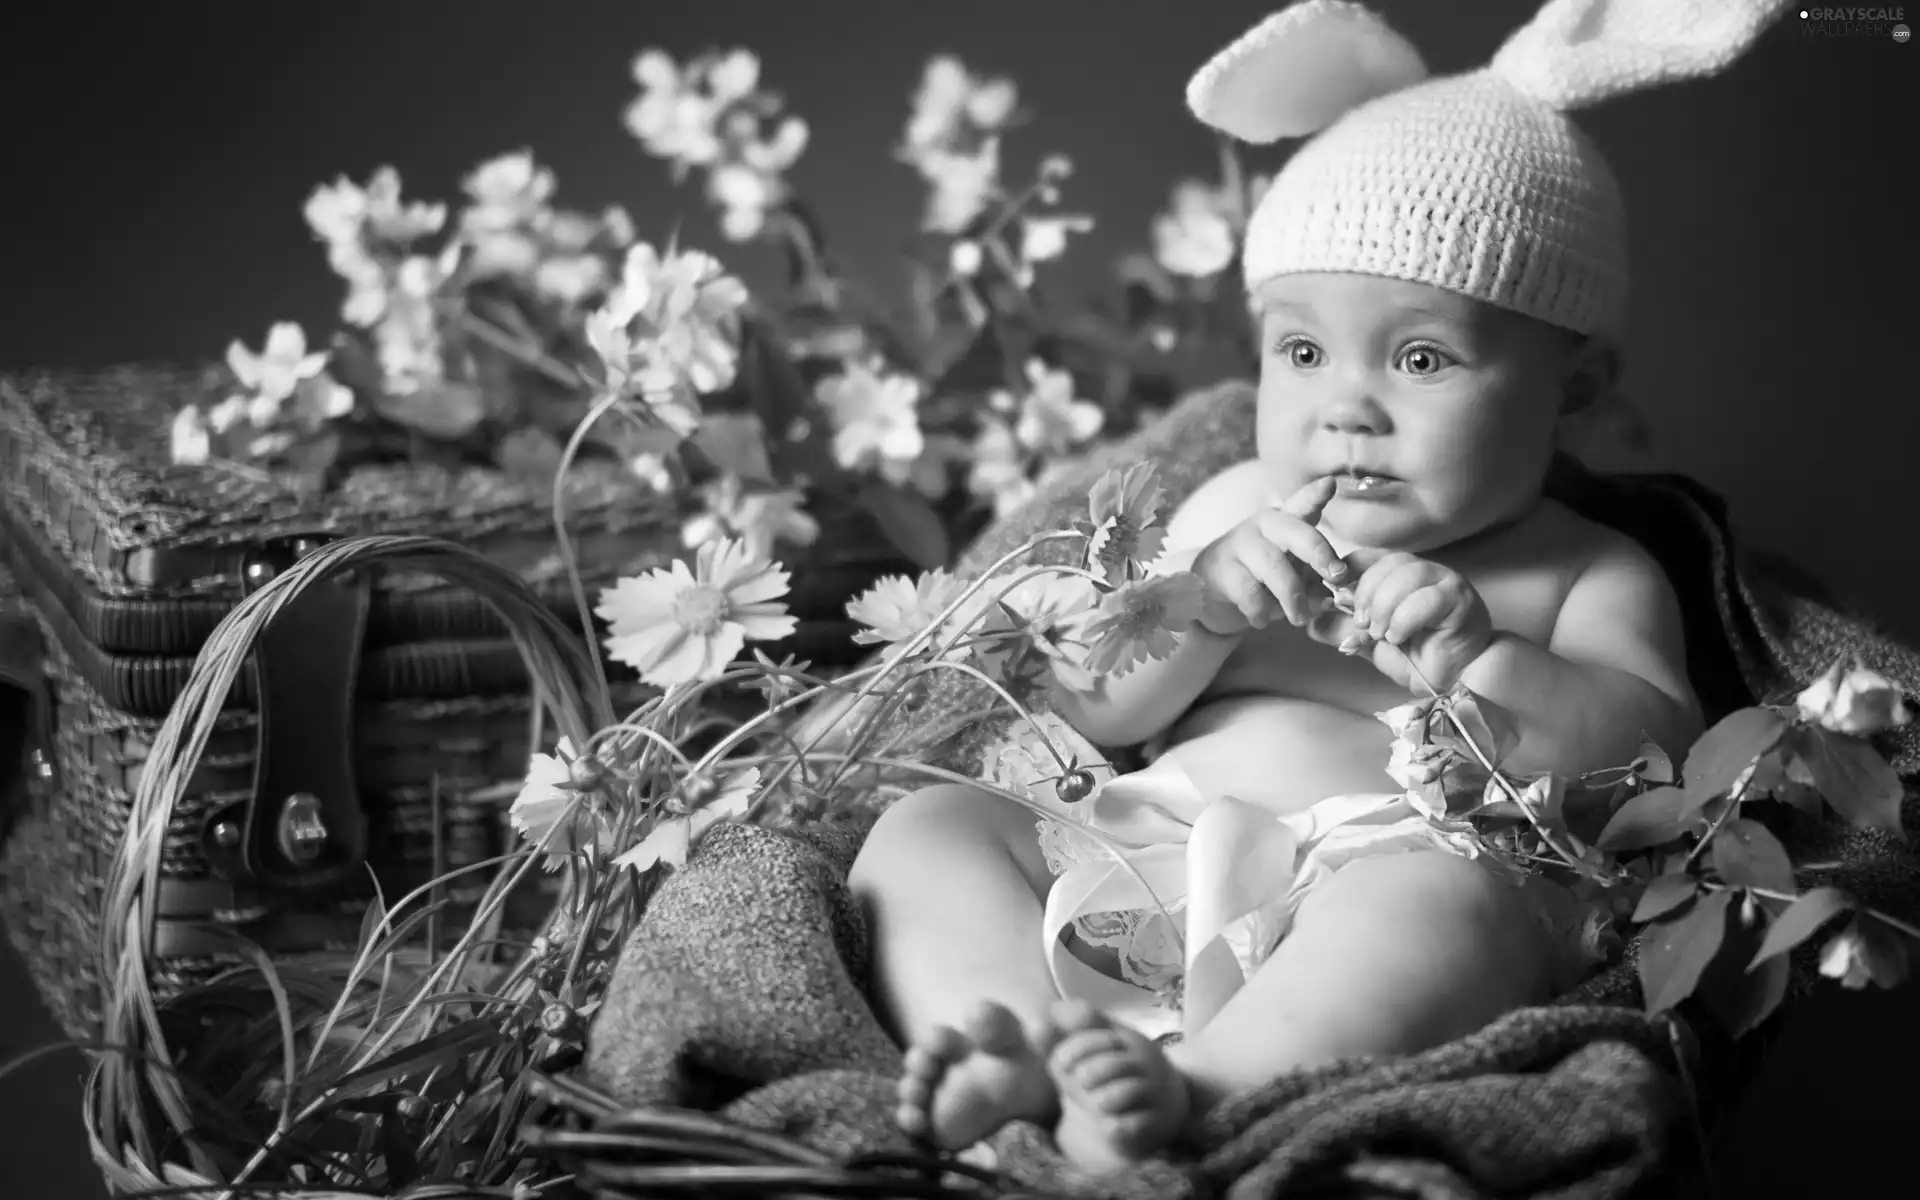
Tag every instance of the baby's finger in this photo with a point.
(1279, 576)
(1421, 611)
(1246, 591)
(1311, 500)
(1384, 580)
(1299, 538)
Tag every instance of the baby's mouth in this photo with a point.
(1362, 479)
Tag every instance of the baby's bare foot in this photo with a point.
(959, 1086)
(1120, 1099)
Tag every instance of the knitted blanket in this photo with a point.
(742, 991)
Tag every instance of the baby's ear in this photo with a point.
(1591, 377)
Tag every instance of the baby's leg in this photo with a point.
(1390, 955)
(952, 881)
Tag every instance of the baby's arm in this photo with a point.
(1137, 706)
(1613, 674)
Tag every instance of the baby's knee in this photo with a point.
(1446, 896)
(936, 823)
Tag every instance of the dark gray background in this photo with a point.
(158, 157)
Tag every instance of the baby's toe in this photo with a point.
(1094, 1043)
(916, 1090)
(1105, 1069)
(1076, 1016)
(912, 1121)
(993, 1029)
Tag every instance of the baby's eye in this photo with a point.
(1301, 352)
(1425, 360)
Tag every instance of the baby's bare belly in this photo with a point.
(1281, 752)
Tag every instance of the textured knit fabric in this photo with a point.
(1476, 183)
(743, 989)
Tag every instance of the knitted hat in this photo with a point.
(1477, 183)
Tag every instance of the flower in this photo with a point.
(1136, 621)
(997, 468)
(1412, 766)
(897, 609)
(1052, 420)
(671, 324)
(272, 374)
(406, 331)
(1845, 958)
(963, 185)
(674, 838)
(679, 626)
(1125, 505)
(192, 442)
(760, 519)
(544, 812)
(677, 115)
(1407, 720)
(1052, 612)
(1853, 701)
(876, 420)
(953, 104)
(751, 184)
(1196, 238)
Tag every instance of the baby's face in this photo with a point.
(1449, 404)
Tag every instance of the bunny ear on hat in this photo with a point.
(1299, 70)
(1579, 52)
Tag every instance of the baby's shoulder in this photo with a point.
(1599, 560)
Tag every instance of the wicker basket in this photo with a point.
(391, 700)
(128, 1102)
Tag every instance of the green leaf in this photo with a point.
(1734, 992)
(1653, 818)
(736, 443)
(1747, 855)
(1802, 920)
(1674, 954)
(444, 411)
(1655, 766)
(908, 521)
(443, 1048)
(1665, 894)
(1724, 752)
(530, 455)
(1860, 785)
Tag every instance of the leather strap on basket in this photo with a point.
(305, 830)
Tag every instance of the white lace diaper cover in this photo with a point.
(1223, 876)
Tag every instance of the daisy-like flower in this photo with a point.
(1125, 505)
(1140, 622)
(876, 420)
(760, 519)
(191, 438)
(672, 322)
(1052, 612)
(1043, 238)
(1853, 700)
(997, 468)
(679, 626)
(548, 812)
(673, 838)
(1053, 421)
(272, 374)
(896, 610)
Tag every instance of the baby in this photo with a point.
(1438, 277)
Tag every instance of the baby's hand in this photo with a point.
(1269, 563)
(1408, 608)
